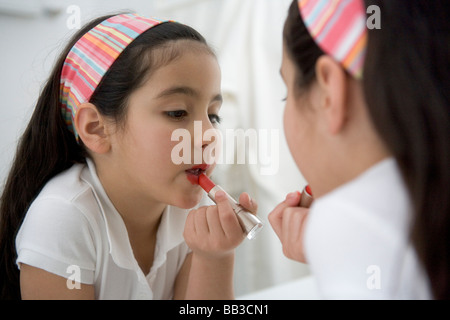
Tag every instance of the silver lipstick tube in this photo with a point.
(250, 223)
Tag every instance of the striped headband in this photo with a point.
(92, 56)
(339, 28)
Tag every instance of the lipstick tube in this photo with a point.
(307, 197)
(251, 225)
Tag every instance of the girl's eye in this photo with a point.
(177, 114)
(214, 118)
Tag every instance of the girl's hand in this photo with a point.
(288, 222)
(214, 231)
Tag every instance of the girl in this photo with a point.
(105, 205)
(374, 147)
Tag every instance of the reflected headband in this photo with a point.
(92, 56)
(339, 29)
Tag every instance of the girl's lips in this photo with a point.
(197, 170)
(193, 173)
(202, 166)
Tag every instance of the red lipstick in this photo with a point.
(205, 182)
(194, 172)
(307, 197)
(250, 223)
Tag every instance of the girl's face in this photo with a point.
(187, 89)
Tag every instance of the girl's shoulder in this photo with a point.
(60, 228)
(68, 200)
(67, 185)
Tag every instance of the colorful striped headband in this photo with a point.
(339, 28)
(92, 56)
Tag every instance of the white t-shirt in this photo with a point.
(73, 230)
(357, 240)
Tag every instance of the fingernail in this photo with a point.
(292, 195)
(220, 195)
(250, 200)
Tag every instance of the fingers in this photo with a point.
(276, 216)
(213, 230)
(229, 220)
(204, 221)
(288, 222)
(292, 231)
(219, 219)
(248, 203)
(200, 221)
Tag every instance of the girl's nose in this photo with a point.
(202, 132)
(205, 134)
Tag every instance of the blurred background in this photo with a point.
(247, 37)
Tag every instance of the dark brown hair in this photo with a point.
(47, 147)
(301, 48)
(407, 89)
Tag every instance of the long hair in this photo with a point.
(407, 89)
(47, 147)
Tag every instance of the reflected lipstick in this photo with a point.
(307, 197)
(250, 223)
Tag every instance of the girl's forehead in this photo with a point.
(194, 76)
(189, 70)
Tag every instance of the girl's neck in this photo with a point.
(140, 214)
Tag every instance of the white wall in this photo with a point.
(247, 37)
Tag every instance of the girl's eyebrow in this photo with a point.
(188, 91)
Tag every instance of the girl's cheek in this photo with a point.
(288, 120)
(172, 146)
(154, 141)
(292, 131)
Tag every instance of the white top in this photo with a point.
(73, 230)
(357, 240)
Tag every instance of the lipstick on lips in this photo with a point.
(250, 223)
(193, 173)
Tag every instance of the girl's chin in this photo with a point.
(188, 203)
(189, 200)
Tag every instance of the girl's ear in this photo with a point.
(91, 128)
(332, 82)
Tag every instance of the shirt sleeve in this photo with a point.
(57, 237)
